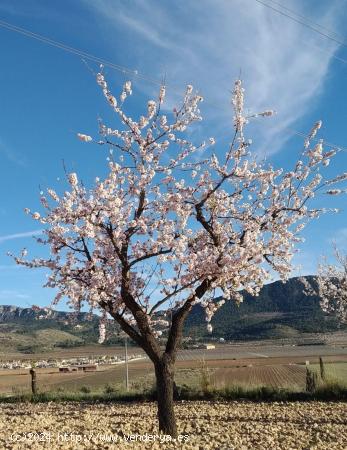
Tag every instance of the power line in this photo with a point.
(301, 22)
(85, 55)
(305, 18)
(124, 69)
(127, 70)
(338, 58)
(76, 51)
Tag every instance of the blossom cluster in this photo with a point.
(330, 285)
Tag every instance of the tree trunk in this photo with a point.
(164, 372)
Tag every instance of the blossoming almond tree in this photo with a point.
(330, 285)
(172, 222)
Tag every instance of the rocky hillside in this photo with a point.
(30, 330)
(280, 311)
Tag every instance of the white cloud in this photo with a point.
(8, 237)
(283, 64)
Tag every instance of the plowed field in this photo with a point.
(292, 376)
(202, 425)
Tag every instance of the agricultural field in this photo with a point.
(333, 371)
(269, 364)
(202, 425)
(289, 376)
(51, 379)
(276, 373)
(281, 376)
(336, 344)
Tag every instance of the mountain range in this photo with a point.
(281, 311)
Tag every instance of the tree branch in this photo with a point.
(142, 258)
(179, 317)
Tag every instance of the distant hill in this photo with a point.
(16, 314)
(31, 330)
(281, 310)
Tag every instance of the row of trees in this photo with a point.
(172, 222)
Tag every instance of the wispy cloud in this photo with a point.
(9, 237)
(11, 155)
(283, 64)
(339, 238)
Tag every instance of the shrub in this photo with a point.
(85, 389)
(109, 389)
(311, 380)
(205, 378)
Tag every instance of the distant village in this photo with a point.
(70, 364)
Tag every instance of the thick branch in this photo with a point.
(179, 317)
(86, 250)
(152, 346)
(109, 231)
(200, 218)
(127, 328)
(141, 205)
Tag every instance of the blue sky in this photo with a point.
(48, 95)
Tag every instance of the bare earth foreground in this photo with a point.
(203, 425)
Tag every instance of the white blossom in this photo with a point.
(73, 180)
(84, 137)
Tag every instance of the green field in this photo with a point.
(334, 371)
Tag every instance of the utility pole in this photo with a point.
(126, 364)
(33, 381)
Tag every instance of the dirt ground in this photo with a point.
(202, 426)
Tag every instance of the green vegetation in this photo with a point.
(27, 331)
(110, 389)
(205, 378)
(29, 339)
(326, 392)
(311, 380)
(281, 310)
(85, 389)
(333, 373)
